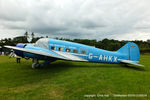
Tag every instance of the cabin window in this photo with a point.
(75, 51)
(83, 52)
(53, 48)
(60, 49)
(68, 50)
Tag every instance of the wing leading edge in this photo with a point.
(58, 55)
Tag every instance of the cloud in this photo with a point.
(92, 19)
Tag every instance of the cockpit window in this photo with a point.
(68, 50)
(53, 48)
(42, 43)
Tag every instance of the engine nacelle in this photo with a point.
(20, 53)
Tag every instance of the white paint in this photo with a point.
(101, 57)
(90, 55)
(115, 59)
(110, 58)
(105, 58)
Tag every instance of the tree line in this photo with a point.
(112, 45)
(107, 44)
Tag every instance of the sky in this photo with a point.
(80, 19)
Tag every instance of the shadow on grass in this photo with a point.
(133, 67)
(70, 64)
(63, 65)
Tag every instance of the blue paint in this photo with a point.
(20, 53)
(129, 51)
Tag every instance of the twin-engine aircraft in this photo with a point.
(51, 50)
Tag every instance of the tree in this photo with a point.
(32, 35)
(26, 34)
(148, 40)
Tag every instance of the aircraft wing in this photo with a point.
(68, 55)
(53, 54)
(130, 62)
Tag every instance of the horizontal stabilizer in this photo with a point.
(130, 62)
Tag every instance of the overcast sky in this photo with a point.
(88, 19)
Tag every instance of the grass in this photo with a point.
(66, 80)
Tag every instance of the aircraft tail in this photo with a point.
(131, 50)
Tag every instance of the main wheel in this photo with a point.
(35, 65)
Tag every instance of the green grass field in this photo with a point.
(66, 80)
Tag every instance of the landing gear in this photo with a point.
(35, 64)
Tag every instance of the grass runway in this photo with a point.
(66, 80)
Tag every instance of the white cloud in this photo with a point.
(92, 19)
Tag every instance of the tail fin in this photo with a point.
(131, 50)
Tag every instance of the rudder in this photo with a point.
(131, 50)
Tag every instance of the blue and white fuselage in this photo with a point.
(51, 50)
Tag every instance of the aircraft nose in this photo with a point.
(20, 53)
